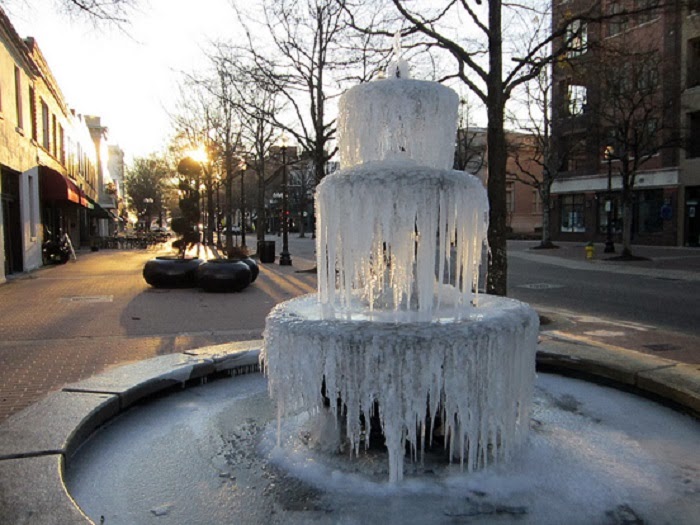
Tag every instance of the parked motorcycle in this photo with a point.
(56, 252)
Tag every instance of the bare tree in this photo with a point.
(639, 120)
(196, 123)
(542, 160)
(478, 57)
(470, 150)
(97, 11)
(256, 103)
(305, 36)
(488, 81)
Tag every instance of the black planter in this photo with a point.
(171, 272)
(224, 275)
(254, 270)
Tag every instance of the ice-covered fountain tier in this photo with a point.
(397, 324)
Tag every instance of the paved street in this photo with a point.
(650, 306)
(65, 323)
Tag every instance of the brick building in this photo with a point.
(626, 96)
(48, 159)
(523, 204)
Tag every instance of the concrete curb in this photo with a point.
(676, 384)
(36, 444)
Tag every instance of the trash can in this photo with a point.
(266, 251)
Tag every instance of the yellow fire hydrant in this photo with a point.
(590, 250)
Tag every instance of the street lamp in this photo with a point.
(609, 245)
(244, 167)
(147, 201)
(285, 258)
(229, 211)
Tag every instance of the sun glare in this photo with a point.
(199, 154)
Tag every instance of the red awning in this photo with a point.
(56, 187)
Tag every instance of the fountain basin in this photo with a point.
(472, 368)
(32, 469)
(207, 455)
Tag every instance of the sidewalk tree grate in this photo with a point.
(541, 286)
(87, 299)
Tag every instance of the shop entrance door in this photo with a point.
(12, 222)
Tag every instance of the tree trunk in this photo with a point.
(626, 225)
(262, 220)
(546, 218)
(497, 278)
(211, 219)
(229, 202)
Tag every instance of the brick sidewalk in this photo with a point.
(66, 323)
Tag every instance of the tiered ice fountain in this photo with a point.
(397, 322)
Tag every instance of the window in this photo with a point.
(577, 99)
(18, 98)
(45, 139)
(510, 197)
(693, 150)
(32, 112)
(53, 135)
(572, 213)
(647, 133)
(571, 149)
(618, 22)
(62, 144)
(648, 77)
(536, 202)
(647, 10)
(647, 211)
(693, 63)
(576, 38)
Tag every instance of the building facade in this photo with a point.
(689, 194)
(523, 203)
(625, 103)
(114, 188)
(49, 164)
(20, 222)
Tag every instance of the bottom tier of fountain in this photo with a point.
(474, 373)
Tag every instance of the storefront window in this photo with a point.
(572, 213)
(648, 211)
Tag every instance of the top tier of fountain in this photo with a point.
(398, 118)
(398, 230)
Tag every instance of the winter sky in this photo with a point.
(128, 77)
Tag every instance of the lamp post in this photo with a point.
(229, 215)
(147, 220)
(244, 167)
(285, 258)
(218, 211)
(609, 245)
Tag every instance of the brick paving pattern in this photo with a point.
(66, 323)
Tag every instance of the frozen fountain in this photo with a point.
(397, 326)
(398, 334)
